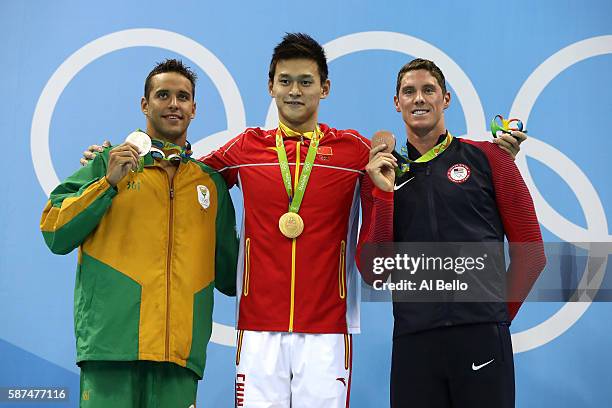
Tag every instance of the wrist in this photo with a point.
(112, 183)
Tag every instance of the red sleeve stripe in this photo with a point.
(376, 222)
(520, 222)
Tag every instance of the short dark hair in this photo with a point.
(299, 45)
(427, 65)
(171, 65)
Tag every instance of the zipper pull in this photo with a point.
(171, 193)
(428, 170)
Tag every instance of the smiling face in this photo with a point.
(297, 89)
(422, 102)
(169, 107)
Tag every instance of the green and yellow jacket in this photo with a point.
(150, 254)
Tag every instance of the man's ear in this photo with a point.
(270, 86)
(144, 106)
(325, 88)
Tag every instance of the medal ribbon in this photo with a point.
(295, 199)
(429, 155)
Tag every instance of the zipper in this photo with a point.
(294, 241)
(169, 261)
(433, 221)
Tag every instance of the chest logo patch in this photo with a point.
(324, 153)
(458, 173)
(203, 196)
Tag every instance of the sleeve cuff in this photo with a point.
(104, 185)
(383, 195)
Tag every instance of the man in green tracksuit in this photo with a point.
(156, 233)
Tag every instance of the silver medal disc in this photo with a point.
(141, 140)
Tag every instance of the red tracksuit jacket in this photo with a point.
(308, 284)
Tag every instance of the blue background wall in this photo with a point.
(72, 75)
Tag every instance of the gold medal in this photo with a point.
(291, 225)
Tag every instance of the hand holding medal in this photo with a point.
(142, 142)
(382, 165)
(127, 156)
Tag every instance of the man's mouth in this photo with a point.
(420, 112)
(173, 117)
(294, 103)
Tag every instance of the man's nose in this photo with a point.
(295, 89)
(173, 103)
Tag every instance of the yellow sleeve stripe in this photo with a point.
(54, 218)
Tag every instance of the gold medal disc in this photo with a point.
(291, 225)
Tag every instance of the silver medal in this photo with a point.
(141, 140)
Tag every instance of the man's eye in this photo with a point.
(162, 95)
(306, 83)
(183, 97)
(284, 81)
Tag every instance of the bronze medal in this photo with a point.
(386, 137)
(291, 225)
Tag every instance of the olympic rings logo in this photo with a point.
(597, 225)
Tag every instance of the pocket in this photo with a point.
(342, 271)
(347, 351)
(238, 345)
(247, 267)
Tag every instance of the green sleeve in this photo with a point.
(76, 206)
(226, 251)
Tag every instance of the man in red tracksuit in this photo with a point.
(298, 298)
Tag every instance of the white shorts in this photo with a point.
(297, 370)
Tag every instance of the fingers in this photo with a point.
(511, 140)
(387, 161)
(508, 143)
(133, 147)
(126, 148)
(520, 137)
(83, 162)
(377, 149)
(380, 162)
(124, 154)
(106, 143)
(384, 155)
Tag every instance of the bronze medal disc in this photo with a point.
(386, 137)
(291, 225)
